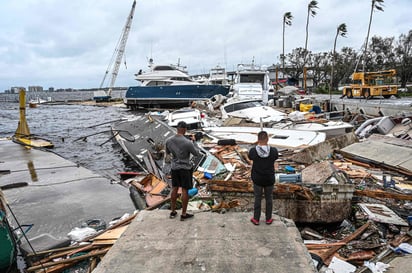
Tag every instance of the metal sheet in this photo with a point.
(383, 214)
(381, 152)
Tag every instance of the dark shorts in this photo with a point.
(182, 178)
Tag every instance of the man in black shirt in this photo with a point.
(263, 176)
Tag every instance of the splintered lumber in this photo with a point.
(324, 245)
(38, 253)
(230, 186)
(383, 194)
(282, 188)
(356, 162)
(69, 260)
(327, 255)
(229, 183)
(58, 254)
(229, 189)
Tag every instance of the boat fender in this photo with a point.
(217, 100)
(226, 142)
(138, 200)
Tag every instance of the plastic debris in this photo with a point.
(379, 267)
(405, 247)
(79, 234)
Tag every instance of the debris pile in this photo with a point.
(83, 254)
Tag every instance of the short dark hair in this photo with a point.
(262, 135)
(182, 124)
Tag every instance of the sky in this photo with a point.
(69, 44)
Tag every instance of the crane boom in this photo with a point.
(120, 48)
(122, 45)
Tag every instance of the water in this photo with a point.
(75, 133)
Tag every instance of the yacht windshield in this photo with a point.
(163, 67)
(242, 105)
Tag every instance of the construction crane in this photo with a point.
(101, 95)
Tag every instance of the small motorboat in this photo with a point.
(252, 110)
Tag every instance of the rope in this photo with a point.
(24, 234)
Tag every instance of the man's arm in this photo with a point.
(195, 150)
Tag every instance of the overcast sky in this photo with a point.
(63, 44)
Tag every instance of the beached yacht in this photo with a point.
(218, 75)
(168, 86)
(251, 82)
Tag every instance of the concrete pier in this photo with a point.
(57, 195)
(210, 242)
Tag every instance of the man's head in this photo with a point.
(181, 127)
(263, 137)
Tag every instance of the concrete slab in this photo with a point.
(59, 194)
(400, 265)
(209, 242)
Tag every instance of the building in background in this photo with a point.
(35, 88)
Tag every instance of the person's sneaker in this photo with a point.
(254, 221)
(173, 214)
(187, 216)
(270, 221)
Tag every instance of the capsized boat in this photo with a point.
(169, 86)
(277, 137)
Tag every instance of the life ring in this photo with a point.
(217, 100)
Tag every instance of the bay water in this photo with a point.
(80, 133)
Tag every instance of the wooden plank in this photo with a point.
(70, 260)
(104, 242)
(383, 194)
(111, 234)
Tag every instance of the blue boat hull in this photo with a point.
(170, 96)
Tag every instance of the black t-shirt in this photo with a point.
(263, 170)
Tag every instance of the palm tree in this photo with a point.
(378, 5)
(340, 31)
(311, 12)
(287, 20)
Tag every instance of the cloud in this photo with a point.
(70, 43)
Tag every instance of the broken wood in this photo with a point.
(324, 245)
(383, 194)
(327, 255)
(69, 260)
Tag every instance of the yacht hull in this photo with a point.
(170, 96)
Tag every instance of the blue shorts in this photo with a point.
(182, 178)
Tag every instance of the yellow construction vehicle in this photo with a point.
(370, 84)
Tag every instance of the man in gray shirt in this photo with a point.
(181, 147)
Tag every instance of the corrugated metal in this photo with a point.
(383, 153)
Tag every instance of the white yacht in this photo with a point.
(169, 85)
(251, 82)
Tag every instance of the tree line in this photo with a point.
(328, 70)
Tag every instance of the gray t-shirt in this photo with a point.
(180, 147)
